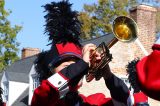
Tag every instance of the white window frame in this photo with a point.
(36, 82)
(5, 90)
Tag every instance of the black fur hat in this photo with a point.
(1, 100)
(41, 64)
(131, 70)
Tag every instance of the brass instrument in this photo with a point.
(125, 30)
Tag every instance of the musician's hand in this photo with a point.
(87, 50)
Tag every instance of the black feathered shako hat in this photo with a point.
(63, 29)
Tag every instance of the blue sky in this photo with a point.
(29, 14)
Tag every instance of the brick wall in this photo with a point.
(146, 21)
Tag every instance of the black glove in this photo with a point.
(104, 72)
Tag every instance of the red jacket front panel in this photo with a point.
(46, 95)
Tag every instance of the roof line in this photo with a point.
(19, 61)
(96, 37)
(27, 57)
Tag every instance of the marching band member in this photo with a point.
(139, 98)
(62, 67)
(148, 72)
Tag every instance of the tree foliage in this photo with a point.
(8, 42)
(97, 18)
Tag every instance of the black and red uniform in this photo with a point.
(57, 90)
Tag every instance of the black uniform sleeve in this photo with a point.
(68, 77)
(75, 69)
(118, 90)
(75, 72)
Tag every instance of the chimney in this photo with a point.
(145, 17)
(27, 52)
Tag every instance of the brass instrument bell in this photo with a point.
(125, 29)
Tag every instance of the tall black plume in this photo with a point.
(62, 24)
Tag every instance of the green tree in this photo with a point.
(97, 18)
(8, 42)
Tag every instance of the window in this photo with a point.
(35, 82)
(5, 91)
